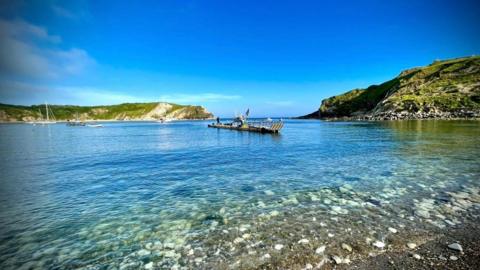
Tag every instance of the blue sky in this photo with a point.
(280, 58)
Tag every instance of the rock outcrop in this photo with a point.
(444, 89)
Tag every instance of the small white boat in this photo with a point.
(165, 120)
(95, 125)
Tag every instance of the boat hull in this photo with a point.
(44, 122)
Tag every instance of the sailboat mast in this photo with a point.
(46, 109)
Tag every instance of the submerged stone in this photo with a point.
(449, 222)
(149, 265)
(411, 245)
(169, 245)
(247, 188)
(274, 213)
(214, 217)
(278, 246)
(238, 240)
(455, 246)
(269, 192)
(149, 246)
(143, 252)
(392, 230)
(379, 244)
(170, 254)
(347, 247)
(339, 210)
(320, 249)
(303, 241)
(337, 259)
(340, 260)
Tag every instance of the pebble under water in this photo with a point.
(138, 195)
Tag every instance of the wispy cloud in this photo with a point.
(85, 95)
(198, 98)
(63, 12)
(20, 29)
(28, 51)
(14, 92)
(72, 10)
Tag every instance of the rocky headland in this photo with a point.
(126, 111)
(447, 89)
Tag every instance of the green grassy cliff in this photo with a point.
(125, 111)
(444, 89)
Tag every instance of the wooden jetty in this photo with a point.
(257, 126)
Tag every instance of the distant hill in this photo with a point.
(444, 89)
(125, 111)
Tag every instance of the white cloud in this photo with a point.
(28, 51)
(198, 98)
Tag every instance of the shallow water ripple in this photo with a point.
(182, 196)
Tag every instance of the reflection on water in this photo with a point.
(180, 195)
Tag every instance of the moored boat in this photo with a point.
(241, 123)
(165, 120)
(50, 119)
(95, 125)
(77, 122)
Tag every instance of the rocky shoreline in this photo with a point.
(457, 248)
(388, 116)
(110, 120)
(462, 114)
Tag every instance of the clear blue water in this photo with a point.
(181, 195)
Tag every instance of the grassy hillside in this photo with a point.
(125, 111)
(448, 88)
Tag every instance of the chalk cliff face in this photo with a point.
(126, 111)
(161, 110)
(444, 89)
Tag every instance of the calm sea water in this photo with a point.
(181, 195)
